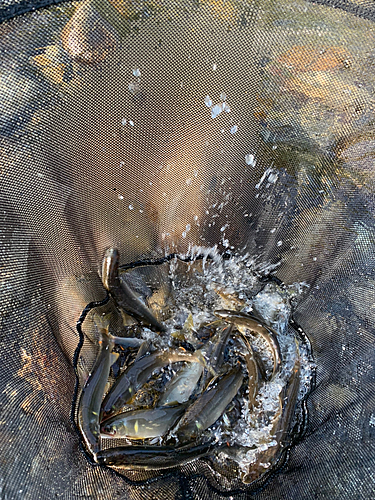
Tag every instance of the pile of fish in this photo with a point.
(165, 398)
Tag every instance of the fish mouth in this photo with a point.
(107, 432)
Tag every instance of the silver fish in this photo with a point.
(287, 402)
(121, 293)
(209, 406)
(253, 372)
(183, 384)
(254, 325)
(92, 394)
(142, 424)
(153, 457)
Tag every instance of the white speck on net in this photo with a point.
(123, 121)
(223, 96)
(188, 227)
(134, 87)
(279, 243)
(272, 178)
(233, 129)
(266, 173)
(188, 182)
(131, 123)
(131, 207)
(273, 230)
(250, 160)
(216, 110)
(208, 101)
(136, 72)
(226, 107)
(195, 217)
(120, 197)
(214, 67)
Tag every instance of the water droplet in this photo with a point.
(136, 72)
(216, 110)
(123, 121)
(279, 243)
(272, 178)
(134, 87)
(233, 129)
(250, 160)
(120, 197)
(131, 123)
(188, 182)
(214, 67)
(208, 101)
(226, 107)
(131, 207)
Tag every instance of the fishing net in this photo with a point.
(154, 127)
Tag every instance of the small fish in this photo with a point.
(153, 457)
(121, 293)
(254, 325)
(253, 372)
(92, 394)
(281, 424)
(142, 424)
(102, 324)
(209, 406)
(287, 400)
(137, 374)
(183, 384)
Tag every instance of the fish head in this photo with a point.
(109, 429)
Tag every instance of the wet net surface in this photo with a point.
(153, 126)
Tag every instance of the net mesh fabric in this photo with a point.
(106, 140)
